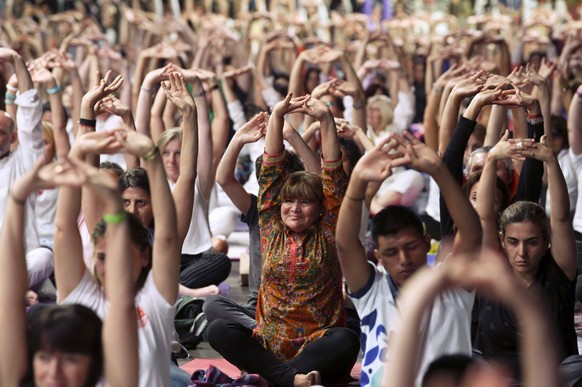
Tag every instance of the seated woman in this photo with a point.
(300, 330)
(540, 250)
(186, 153)
(153, 267)
(65, 341)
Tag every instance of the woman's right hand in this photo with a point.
(376, 164)
(254, 129)
(177, 92)
(103, 88)
(289, 104)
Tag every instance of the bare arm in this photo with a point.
(250, 132)
(157, 125)
(13, 285)
(310, 160)
(183, 193)
(563, 244)
(373, 167)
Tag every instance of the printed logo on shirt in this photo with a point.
(142, 318)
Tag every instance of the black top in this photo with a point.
(497, 335)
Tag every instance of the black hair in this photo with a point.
(559, 127)
(394, 219)
(67, 328)
(352, 152)
(374, 88)
(523, 211)
(135, 178)
(454, 366)
(310, 69)
(111, 166)
(282, 89)
(501, 187)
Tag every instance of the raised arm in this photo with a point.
(120, 341)
(145, 96)
(166, 246)
(92, 210)
(183, 193)
(463, 89)
(563, 244)
(251, 132)
(374, 166)
(423, 159)
(330, 146)
(13, 285)
(487, 190)
(311, 161)
(274, 137)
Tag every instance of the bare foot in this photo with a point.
(31, 298)
(311, 379)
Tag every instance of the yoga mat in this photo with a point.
(203, 364)
(233, 372)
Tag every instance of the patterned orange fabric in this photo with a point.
(301, 284)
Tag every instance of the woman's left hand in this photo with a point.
(136, 143)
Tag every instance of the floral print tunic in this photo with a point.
(301, 284)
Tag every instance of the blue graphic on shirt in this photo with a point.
(375, 356)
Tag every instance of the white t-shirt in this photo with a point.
(109, 122)
(566, 160)
(199, 238)
(155, 325)
(45, 212)
(445, 330)
(21, 160)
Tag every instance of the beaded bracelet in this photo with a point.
(9, 96)
(115, 218)
(152, 153)
(8, 102)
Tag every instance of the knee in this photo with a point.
(349, 340)
(221, 333)
(212, 306)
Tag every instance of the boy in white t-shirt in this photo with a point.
(402, 247)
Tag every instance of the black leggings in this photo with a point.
(333, 354)
(207, 268)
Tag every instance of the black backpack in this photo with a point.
(189, 321)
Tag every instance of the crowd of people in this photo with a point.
(408, 173)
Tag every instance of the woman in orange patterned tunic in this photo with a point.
(300, 334)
